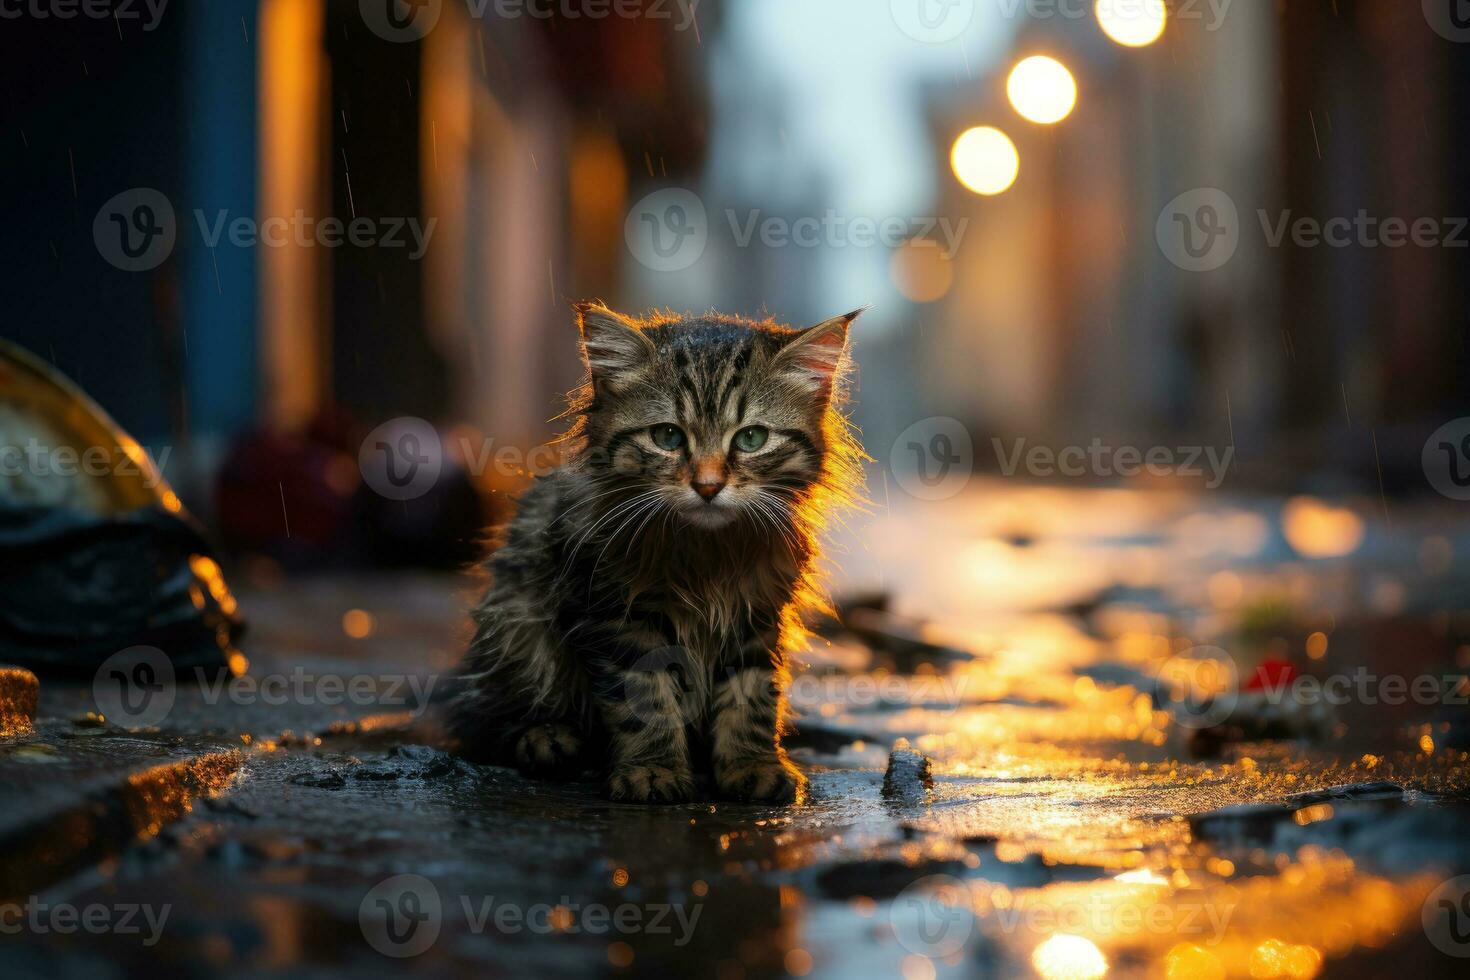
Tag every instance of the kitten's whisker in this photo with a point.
(648, 505)
(602, 520)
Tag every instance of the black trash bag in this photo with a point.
(76, 588)
(99, 559)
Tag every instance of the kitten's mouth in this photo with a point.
(709, 517)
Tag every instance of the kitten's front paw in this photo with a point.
(550, 751)
(650, 784)
(766, 780)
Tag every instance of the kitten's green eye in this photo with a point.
(667, 437)
(751, 438)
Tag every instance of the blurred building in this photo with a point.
(516, 143)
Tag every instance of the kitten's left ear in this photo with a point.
(612, 345)
(817, 355)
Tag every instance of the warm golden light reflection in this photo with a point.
(1042, 89)
(1316, 529)
(921, 272)
(1317, 645)
(1142, 876)
(1132, 23)
(358, 623)
(985, 160)
(1064, 957)
(1187, 961)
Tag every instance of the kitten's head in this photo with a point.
(720, 419)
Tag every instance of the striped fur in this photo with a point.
(633, 625)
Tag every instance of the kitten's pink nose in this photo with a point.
(709, 477)
(709, 489)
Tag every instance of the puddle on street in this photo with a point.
(1081, 816)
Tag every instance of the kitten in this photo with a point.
(648, 591)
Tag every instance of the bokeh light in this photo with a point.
(1132, 23)
(921, 272)
(985, 160)
(1065, 957)
(1042, 89)
(1316, 529)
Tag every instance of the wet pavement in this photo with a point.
(1060, 733)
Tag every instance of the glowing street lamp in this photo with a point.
(985, 160)
(1042, 89)
(1132, 23)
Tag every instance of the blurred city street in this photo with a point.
(1002, 779)
(1149, 644)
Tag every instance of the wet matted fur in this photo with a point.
(648, 592)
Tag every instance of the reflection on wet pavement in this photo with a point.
(1044, 756)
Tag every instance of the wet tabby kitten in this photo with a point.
(647, 592)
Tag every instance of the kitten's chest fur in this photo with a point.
(716, 594)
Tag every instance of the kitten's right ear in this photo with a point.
(612, 345)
